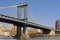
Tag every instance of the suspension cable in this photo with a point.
(10, 6)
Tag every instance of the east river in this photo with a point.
(34, 39)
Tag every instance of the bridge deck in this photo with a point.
(19, 22)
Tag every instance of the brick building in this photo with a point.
(57, 25)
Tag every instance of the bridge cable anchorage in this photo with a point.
(10, 6)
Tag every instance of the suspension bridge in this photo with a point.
(23, 22)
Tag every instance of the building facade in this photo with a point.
(57, 25)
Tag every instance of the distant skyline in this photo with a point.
(44, 12)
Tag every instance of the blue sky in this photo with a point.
(44, 12)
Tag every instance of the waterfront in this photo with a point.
(20, 25)
(34, 39)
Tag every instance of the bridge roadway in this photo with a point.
(21, 23)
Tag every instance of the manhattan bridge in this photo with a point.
(22, 20)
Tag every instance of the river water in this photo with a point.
(34, 39)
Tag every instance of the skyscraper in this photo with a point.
(57, 25)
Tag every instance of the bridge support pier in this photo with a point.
(21, 35)
(24, 35)
(45, 31)
(24, 30)
(18, 34)
(52, 32)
